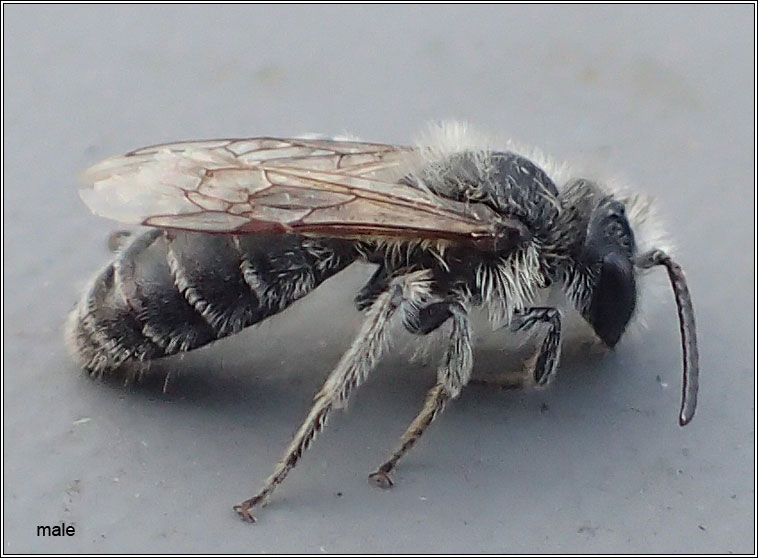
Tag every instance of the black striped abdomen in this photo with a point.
(168, 292)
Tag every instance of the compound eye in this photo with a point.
(619, 233)
(614, 298)
(609, 231)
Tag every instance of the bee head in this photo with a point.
(608, 254)
(602, 283)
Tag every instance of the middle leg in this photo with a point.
(453, 374)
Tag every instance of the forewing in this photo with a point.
(315, 187)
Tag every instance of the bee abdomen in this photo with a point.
(103, 332)
(168, 292)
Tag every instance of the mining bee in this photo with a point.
(239, 229)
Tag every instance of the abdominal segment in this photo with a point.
(168, 292)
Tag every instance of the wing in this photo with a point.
(327, 188)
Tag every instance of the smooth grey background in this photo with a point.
(661, 96)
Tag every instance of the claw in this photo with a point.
(381, 479)
(245, 510)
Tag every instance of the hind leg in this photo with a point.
(118, 239)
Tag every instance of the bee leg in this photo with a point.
(452, 375)
(543, 365)
(428, 318)
(376, 285)
(351, 370)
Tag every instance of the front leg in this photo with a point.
(353, 368)
(539, 370)
(453, 374)
(543, 365)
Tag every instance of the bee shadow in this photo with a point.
(204, 379)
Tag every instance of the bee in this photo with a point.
(240, 229)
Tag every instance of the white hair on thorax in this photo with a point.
(444, 138)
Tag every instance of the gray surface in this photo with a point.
(663, 95)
